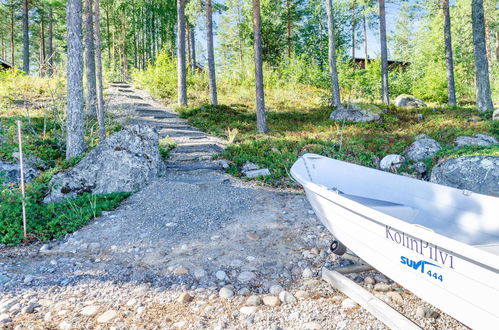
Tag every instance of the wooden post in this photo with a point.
(21, 166)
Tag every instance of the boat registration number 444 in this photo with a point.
(422, 266)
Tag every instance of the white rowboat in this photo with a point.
(439, 242)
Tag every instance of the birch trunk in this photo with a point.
(483, 94)
(451, 88)
(193, 49)
(211, 53)
(75, 144)
(51, 41)
(335, 85)
(261, 119)
(25, 36)
(181, 70)
(385, 95)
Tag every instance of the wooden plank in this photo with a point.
(383, 312)
(352, 269)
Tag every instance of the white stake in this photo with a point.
(21, 166)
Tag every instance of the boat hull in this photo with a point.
(458, 285)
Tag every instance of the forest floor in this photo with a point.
(196, 249)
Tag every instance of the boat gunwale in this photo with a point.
(462, 250)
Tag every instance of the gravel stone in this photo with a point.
(253, 300)
(307, 273)
(221, 275)
(287, 297)
(90, 310)
(272, 301)
(246, 276)
(275, 289)
(382, 287)
(185, 298)
(248, 310)
(348, 304)
(226, 293)
(107, 316)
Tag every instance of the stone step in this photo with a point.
(125, 90)
(194, 157)
(143, 105)
(135, 97)
(209, 148)
(194, 166)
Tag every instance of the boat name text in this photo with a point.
(424, 248)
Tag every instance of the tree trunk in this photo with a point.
(353, 33)
(335, 85)
(98, 66)
(497, 46)
(12, 43)
(211, 53)
(188, 44)
(366, 53)
(108, 35)
(91, 97)
(483, 94)
(75, 144)
(51, 41)
(43, 54)
(290, 31)
(451, 88)
(25, 37)
(385, 95)
(193, 49)
(261, 119)
(181, 71)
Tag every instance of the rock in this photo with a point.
(126, 161)
(302, 295)
(307, 273)
(47, 317)
(89, 310)
(257, 173)
(107, 316)
(6, 305)
(272, 301)
(221, 275)
(184, 298)
(312, 326)
(246, 276)
(391, 162)
(65, 325)
(30, 308)
(409, 101)
(426, 312)
(180, 271)
(477, 140)
(395, 297)
(249, 166)
(420, 168)
(476, 173)
(10, 173)
(369, 280)
(244, 291)
(495, 115)
(348, 303)
(226, 293)
(253, 300)
(383, 297)
(424, 147)
(357, 112)
(248, 310)
(199, 273)
(382, 287)
(31, 161)
(275, 289)
(5, 318)
(287, 297)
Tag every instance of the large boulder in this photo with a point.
(11, 174)
(357, 112)
(477, 173)
(409, 101)
(126, 161)
(391, 162)
(424, 147)
(477, 140)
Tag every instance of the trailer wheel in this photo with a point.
(338, 248)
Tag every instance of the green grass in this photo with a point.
(296, 130)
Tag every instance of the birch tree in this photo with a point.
(91, 96)
(211, 53)
(449, 61)
(181, 69)
(261, 118)
(26, 36)
(335, 85)
(385, 95)
(98, 65)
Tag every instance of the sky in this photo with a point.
(372, 35)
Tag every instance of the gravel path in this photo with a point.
(196, 249)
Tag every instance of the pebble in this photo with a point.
(47, 317)
(312, 326)
(5, 318)
(301, 295)
(221, 275)
(287, 297)
(252, 236)
(348, 303)
(107, 316)
(226, 293)
(307, 273)
(382, 287)
(271, 301)
(275, 289)
(28, 279)
(199, 273)
(383, 297)
(180, 271)
(426, 312)
(65, 325)
(248, 310)
(395, 297)
(246, 276)
(184, 298)
(254, 300)
(244, 291)
(89, 310)
(369, 280)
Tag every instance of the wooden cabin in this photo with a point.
(4, 65)
(361, 63)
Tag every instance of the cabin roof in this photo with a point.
(4, 64)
